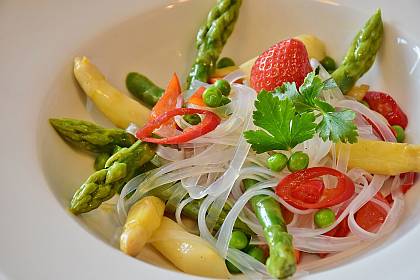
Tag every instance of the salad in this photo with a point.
(247, 169)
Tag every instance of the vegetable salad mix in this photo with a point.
(283, 156)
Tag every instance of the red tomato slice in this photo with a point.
(286, 188)
(209, 123)
(287, 215)
(385, 105)
(309, 191)
(371, 215)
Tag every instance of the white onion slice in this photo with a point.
(169, 153)
(234, 76)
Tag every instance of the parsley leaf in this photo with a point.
(284, 127)
(338, 126)
(335, 126)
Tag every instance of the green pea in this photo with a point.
(277, 162)
(238, 240)
(100, 161)
(212, 97)
(223, 86)
(193, 119)
(400, 134)
(232, 268)
(225, 62)
(365, 103)
(256, 252)
(298, 161)
(329, 64)
(324, 217)
(225, 100)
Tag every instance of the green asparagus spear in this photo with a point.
(82, 130)
(361, 54)
(143, 88)
(103, 184)
(100, 161)
(91, 137)
(281, 263)
(211, 38)
(191, 211)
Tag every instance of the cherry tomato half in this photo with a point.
(302, 181)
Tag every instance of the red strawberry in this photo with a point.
(286, 61)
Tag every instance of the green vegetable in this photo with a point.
(91, 137)
(223, 86)
(212, 97)
(191, 210)
(335, 126)
(400, 133)
(193, 119)
(282, 262)
(256, 252)
(225, 100)
(232, 268)
(277, 162)
(329, 64)
(212, 37)
(238, 240)
(284, 128)
(298, 161)
(324, 217)
(103, 184)
(361, 54)
(143, 88)
(225, 62)
(100, 161)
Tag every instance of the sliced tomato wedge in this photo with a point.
(385, 105)
(288, 186)
(209, 123)
(168, 100)
(309, 191)
(371, 215)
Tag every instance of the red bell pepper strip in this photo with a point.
(330, 197)
(197, 97)
(168, 100)
(209, 123)
(385, 105)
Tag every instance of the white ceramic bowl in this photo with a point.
(39, 239)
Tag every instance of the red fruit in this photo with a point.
(286, 61)
(385, 105)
